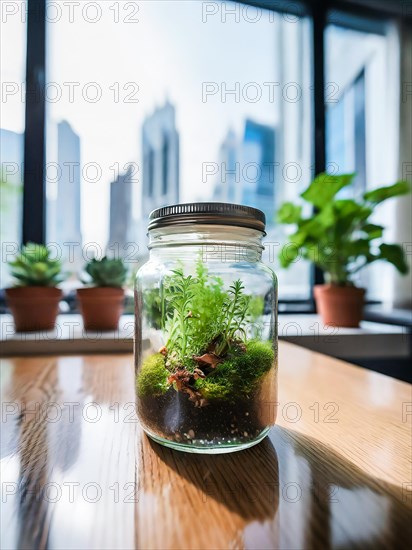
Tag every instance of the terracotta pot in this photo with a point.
(34, 307)
(340, 306)
(101, 307)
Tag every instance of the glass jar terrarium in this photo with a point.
(206, 329)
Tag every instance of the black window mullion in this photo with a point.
(319, 14)
(318, 30)
(34, 195)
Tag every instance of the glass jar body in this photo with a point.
(206, 340)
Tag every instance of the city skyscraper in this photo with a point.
(11, 194)
(161, 168)
(120, 211)
(258, 162)
(11, 181)
(63, 181)
(160, 142)
(67, 204)
(247, 169)
(228, 188)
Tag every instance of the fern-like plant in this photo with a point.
(34, 267)
(235, 316)
(200, 316)
(106, 272)
(180, 293)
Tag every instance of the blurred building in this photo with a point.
(275, 161)
(68, 189)
(120, 212)
(63, 184)
(160, 141)
(294, 146)
(228, 187)
(11, 159)
(346, 148)
(11, 191)
(247, 169)
(160, 154)
(64, 204)
(258, 162)
(346, 111)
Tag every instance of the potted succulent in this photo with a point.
(34, 301)
(341, 240)
(101, 304)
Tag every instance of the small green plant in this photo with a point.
(200, 315)
(339, 238)
(207, 354)
(180, 292)
(106, 272)
(234, 317)
(34, 267)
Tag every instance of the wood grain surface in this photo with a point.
(77, 472)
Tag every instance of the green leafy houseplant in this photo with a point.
(339, 237)
(101, 303)
(34, 300)
(207, 356)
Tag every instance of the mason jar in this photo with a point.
(206, 329)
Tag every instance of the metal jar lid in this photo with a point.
(218, 213)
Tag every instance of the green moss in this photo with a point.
(152, 378)
(257, 360)
(239, 374)
(236, 376)
(211, 389)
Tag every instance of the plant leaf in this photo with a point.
(356, 249)
(373, 231)
(394, 254)
(289, 213)
(288, 254)
(382, 193)
(324, 187)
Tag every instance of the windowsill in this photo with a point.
(371, 340)
(390, 316)
(69, 336)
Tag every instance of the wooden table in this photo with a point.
(77, 472)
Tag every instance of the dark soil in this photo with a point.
(174, 417)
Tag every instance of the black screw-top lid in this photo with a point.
(218, 213)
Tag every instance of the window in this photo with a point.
(362, 119)
(159, 102)
(345, 130)
(13, 67)
(217, 106)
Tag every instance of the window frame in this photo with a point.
(321, 14)
(34, 186)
